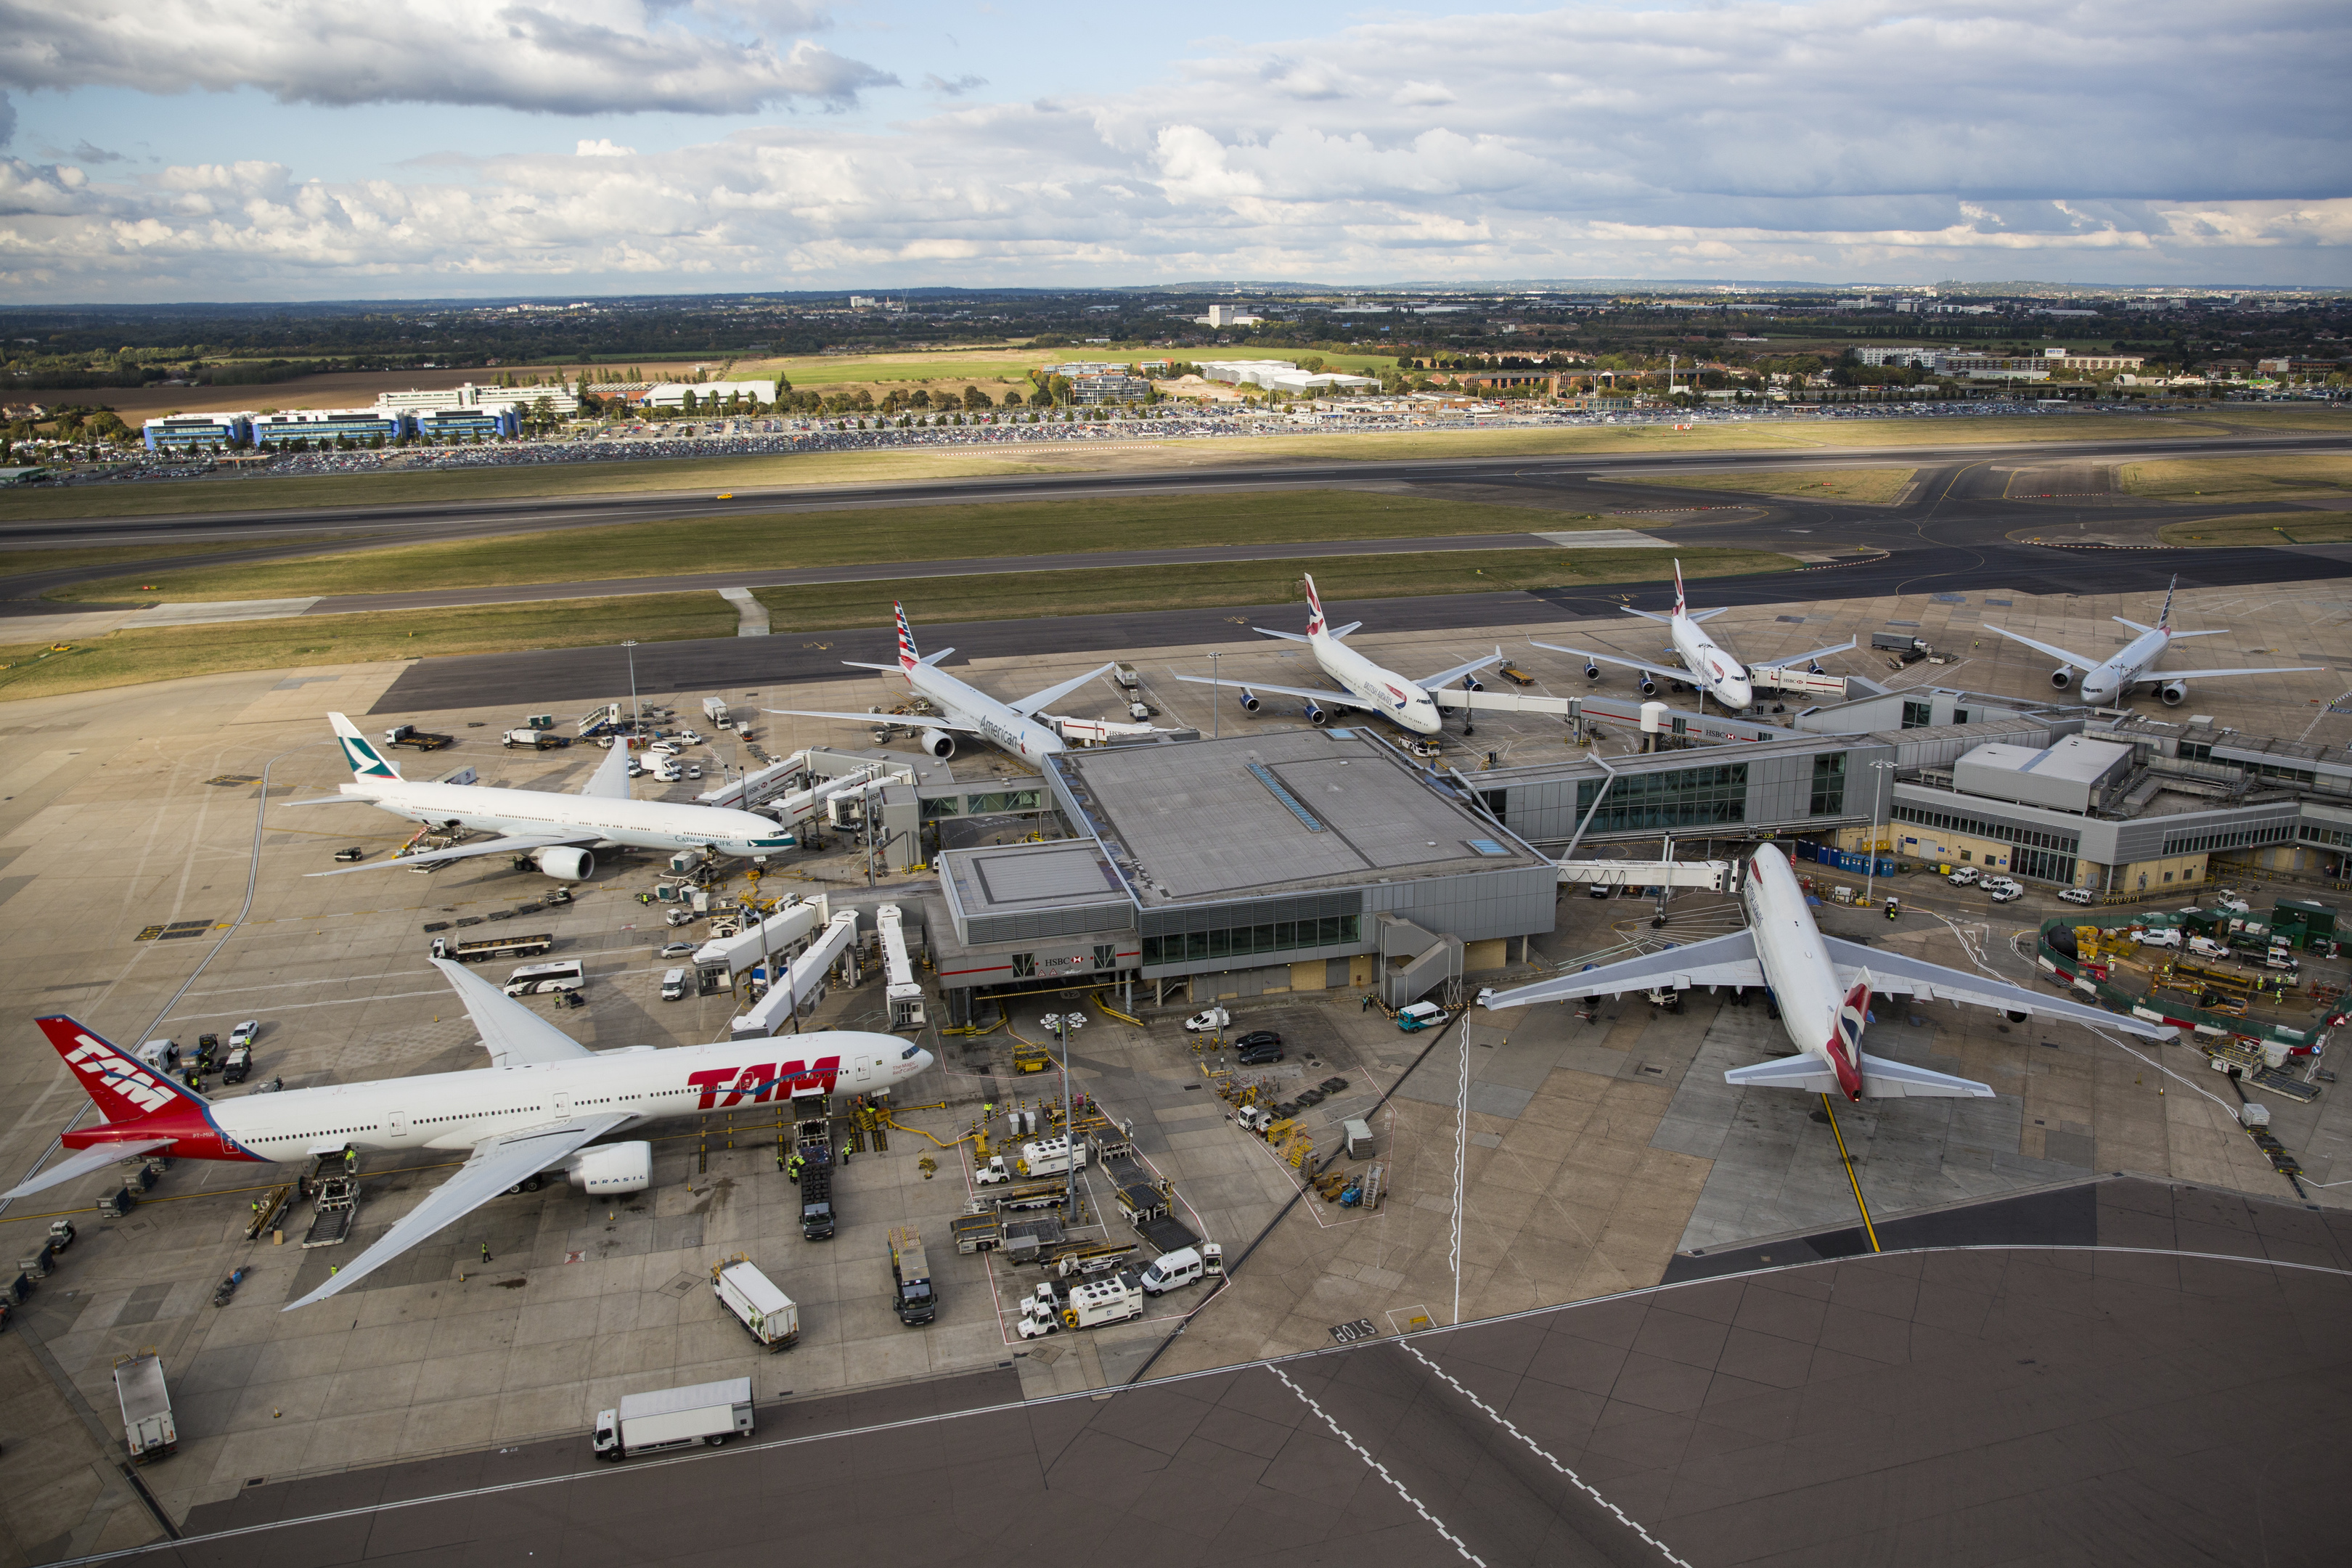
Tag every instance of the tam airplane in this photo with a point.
(2107, 680)
(1405, 702)
(969, 710)
(539, 1107)
(1705, 664)
(560, 834)
(1825, 987)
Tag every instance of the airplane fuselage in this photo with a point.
(1716, 672)
(998, 722)
(456, 1110)
(639, 823)
(2116, 677)
(1814, 1007)
(1401, 701)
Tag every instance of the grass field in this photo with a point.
(2269, 528)
(1812, 484)
(1022, 595)
(14, 563)
(2279, 478)
(815, 469)
(835, 539)
(130, 658)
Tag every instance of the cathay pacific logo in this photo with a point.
(364, 759)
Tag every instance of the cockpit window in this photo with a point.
(908, 1053)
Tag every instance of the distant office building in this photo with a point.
(1280, 376)
(197, 432)
(328, 424)
(1227, 316)
(442, 425)
(1876, 354)
(469, 395)
(2067, 358)
(1077, 368)
(710, 397)
(1095, 390)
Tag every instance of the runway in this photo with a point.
(2122, 1391)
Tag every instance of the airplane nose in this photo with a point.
(923, 1060)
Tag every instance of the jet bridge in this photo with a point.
(905, 995)
(771, 937)
(802, 980)
(1714, 876)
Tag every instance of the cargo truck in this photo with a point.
(423, 739)
(771, 1315)
(492, 947)
(1904, 645)
(816, 1203)
(675, 1418)
(148, 1430)
(910, 1278)
(537, 740)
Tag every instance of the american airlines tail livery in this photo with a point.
(1405, 702)
(560, 834)
(1825, 987)
(539, 1107)
(1705, 665)
(965, 710)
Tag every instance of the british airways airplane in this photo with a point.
(2110, 680)
(541, 1106)
(1705, 665)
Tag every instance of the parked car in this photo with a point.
(679, 949)
(2160, 936)
(2004, 891)
(1257, 1037)
(1598, 890)
(239, 1066)
(694, 770)
(1963, 877)
(1259, 1055)
(689, 737)
(1207, 1022)
(244, 1034)
(2075, 896)
(2235, 904)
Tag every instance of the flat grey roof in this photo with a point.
(1277, 811)
(1010, 878)
(2075, 759)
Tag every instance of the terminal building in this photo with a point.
(198, 432)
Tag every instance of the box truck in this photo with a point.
(148, 1430)
(753, 1298)
(675, 1418)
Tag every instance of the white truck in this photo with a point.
(148, 1430)
(753, 1298)
(1051, 1157)
(1098, 1302)
(715, 710)
(675, 1418)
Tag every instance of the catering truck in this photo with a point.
(148, 1430)
(910, 1278)
(753, 1298)
(675, 1418)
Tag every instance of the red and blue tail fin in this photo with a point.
(1314, 611)
(1681, 606)
(907, 658)
(122, 1088)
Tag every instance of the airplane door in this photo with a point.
(562, 1102)
(396, 1124)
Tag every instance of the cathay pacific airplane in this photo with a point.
(560, 834)
(541, 1106)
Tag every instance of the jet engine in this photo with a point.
(939, 743)
(2174, 692)
(1316, 713)
(1472, 683)
(1649, 687)
(1592, 672)
(611, 1168)
(2061, 678)
(1249, 700)
(565, 865)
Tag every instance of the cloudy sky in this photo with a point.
(159, 149)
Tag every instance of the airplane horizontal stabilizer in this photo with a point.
(84, 1162)
(1884, 1079)
(1706, 615)
(1645, 615)
(1335, 633)
(926, 658)
(334, 800)
(1805, 1072)
(1288, 636)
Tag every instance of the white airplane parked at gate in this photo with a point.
(2106, 681)
(1705, 665)
(539, 1107)
(1825, 987)
(968, 710)
(560, 834)
(1408, 703)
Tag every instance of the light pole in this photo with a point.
(631, 645)
(1216, 709)
(1064, 1025)
(1877, 795)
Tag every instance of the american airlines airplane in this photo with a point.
(2107, 681)
(539, 1107)
(1409, 704)
(1825, 987)
(558, 832)
(969, 712)
(1714, 672)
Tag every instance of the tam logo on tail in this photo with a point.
(121, 1087)
(907, 658)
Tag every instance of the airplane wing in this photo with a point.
(2059, 654)
(511, 1033)
(611, 779)
(1660, 671)
(1444, 677)
(497, 1165)
(1719, 961)
(1806, 658)
(914, 721)
(1893, 975)
(84, 1162)
(1027, 706)
(513, 844)
(1342, 698)
(2148, 675)
(1881, 1079)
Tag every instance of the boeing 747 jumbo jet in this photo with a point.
(1012, 725)
(558, 832)
(539, 1106)
(2107, 681)
(1825, 987)
(1407, 703)
(1705, 665)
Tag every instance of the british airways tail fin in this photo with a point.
(1314, 611)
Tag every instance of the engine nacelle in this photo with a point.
(1649, 687)
(1592, 672)
(2174, 692)
(1250, 703)
(565, 865)
(611, 1168)
(939, 743)
(1472, 683)
(1317, 714)
(2061, 678)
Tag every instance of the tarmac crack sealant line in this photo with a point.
(1364, 1454)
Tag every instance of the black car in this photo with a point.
(1257, 1037)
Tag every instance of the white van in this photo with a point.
(163, 1056)
(2160, 936)
(565, 974)
(1170, 1269)
(668, 772)
(673, 984)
